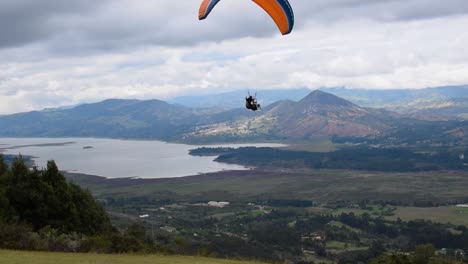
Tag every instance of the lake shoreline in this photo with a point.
(130, 181)
(213, 143)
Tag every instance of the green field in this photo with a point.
(316, 185)
(316, 144)
(442, 214)
(25, 257)
(320, 186)
(341, 225)
(446, 214)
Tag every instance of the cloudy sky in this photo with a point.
(55, 52)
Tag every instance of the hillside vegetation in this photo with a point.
(43, 198)
(41, 210)
(371, 159)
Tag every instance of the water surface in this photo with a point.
(114, 158)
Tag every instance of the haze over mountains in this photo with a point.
(225, 100)
(394, 98)
(317, 114)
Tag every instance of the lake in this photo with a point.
(114, 158)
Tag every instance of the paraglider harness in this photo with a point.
(251, 102)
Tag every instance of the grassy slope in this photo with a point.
(21, 257)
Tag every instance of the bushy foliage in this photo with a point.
(423, 254)
(3, 166)
(354, 158)
(43, 198)
(392, 259)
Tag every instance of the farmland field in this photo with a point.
(316, 185)
(446, 214)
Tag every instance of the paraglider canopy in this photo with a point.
(279, 10)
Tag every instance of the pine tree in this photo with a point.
(3, 166)
(423, 254)
(5, 209)
(43, 198)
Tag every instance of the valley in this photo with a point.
(275, 214)
(234, 132)
(350, 183)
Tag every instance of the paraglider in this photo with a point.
(279, 10)
(251, 103)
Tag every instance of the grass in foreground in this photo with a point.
(21, 257)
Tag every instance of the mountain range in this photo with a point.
(317, 114)
(399, 98)
(438, 103)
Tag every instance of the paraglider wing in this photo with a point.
(279, 10)
(206, 7)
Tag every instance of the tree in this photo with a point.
(423, 254)
(377, 248)
(4, 206)
(90, 216)
(61, 212)
(44, 198)
(392, 259)
(3, 200)
(24, 190)
(439, 260)
(3, 166)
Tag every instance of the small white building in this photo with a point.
(218, 204)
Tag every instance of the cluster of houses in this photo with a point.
(459, 253)
(214, 204)
(316, 236)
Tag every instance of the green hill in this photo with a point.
(14, 257)
(110, 118)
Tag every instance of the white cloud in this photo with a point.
(114, 54)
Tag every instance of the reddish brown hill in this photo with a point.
(322, 113)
